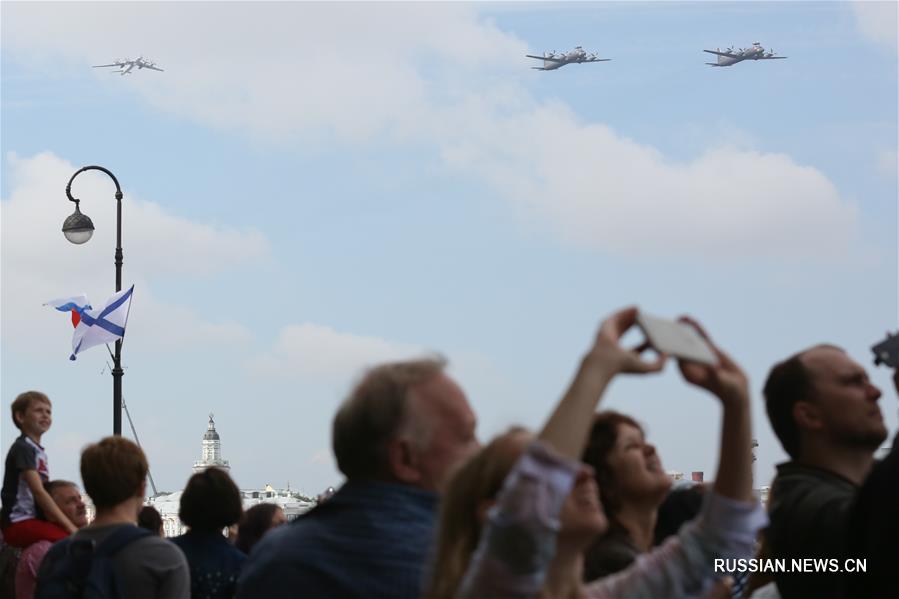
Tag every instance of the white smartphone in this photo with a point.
(677, 339)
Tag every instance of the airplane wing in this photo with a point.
(728, 54)
(771, 57)
(598, 60)
(146, 66)
(97, 66)
(544, 58)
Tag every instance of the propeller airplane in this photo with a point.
(552, 61)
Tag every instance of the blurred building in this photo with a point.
(291, 501)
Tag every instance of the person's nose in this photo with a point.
(874, 392)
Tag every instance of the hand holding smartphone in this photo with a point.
(677, 339)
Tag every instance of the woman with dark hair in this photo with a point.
(632, 486)
(257, 521)
(149, 518)
(517, 516)
(210, 503)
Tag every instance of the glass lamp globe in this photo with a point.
(78, 227)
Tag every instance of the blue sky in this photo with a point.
(313, 188)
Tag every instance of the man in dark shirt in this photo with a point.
(395, 438)
(874, 527)
(824, 410)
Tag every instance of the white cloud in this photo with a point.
(154, 241)
(38, 263)
(316, 351)
(605, 191)
(272, 70)
(877, 21)
(441, 77)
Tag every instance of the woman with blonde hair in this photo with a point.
(517, 517)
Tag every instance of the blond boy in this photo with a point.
(29, 513)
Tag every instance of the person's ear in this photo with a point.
(807, 415)
(142, 489)
(20, 417)
(402, 460)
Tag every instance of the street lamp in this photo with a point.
(78, 228)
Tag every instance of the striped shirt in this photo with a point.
(519, 542)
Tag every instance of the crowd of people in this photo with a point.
(580, 508)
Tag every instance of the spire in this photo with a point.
(211, 434)
(212, 449)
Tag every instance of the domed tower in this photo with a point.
(212, 450)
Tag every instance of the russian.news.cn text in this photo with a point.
(797, 565)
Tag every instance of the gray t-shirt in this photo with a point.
(148, 568)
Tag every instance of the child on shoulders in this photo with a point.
(29, 514)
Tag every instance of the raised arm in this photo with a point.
(569, 424)
(727, 382)
(730, 519)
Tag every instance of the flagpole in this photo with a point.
(78, 229)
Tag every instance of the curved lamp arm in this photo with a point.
(118, 189)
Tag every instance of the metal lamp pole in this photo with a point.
(78, 228)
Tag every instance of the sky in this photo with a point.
(311, 189)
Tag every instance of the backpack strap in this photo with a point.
(103, 579)
(117, 540)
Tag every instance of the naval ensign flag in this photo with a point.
(96, 326)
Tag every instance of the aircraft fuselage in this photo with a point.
(753, 53)
(562, 60)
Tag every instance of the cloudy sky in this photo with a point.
(313, 188)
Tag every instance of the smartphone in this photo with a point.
(676, 339)
(887, 351)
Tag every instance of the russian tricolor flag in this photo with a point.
(76, 305)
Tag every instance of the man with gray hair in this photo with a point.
(67, 497)
(395, 438)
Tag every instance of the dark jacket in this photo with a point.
(214, 564)
(370, 539)
(874, 530)
(809, 510)
(611, 553)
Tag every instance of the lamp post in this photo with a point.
(78, 228)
